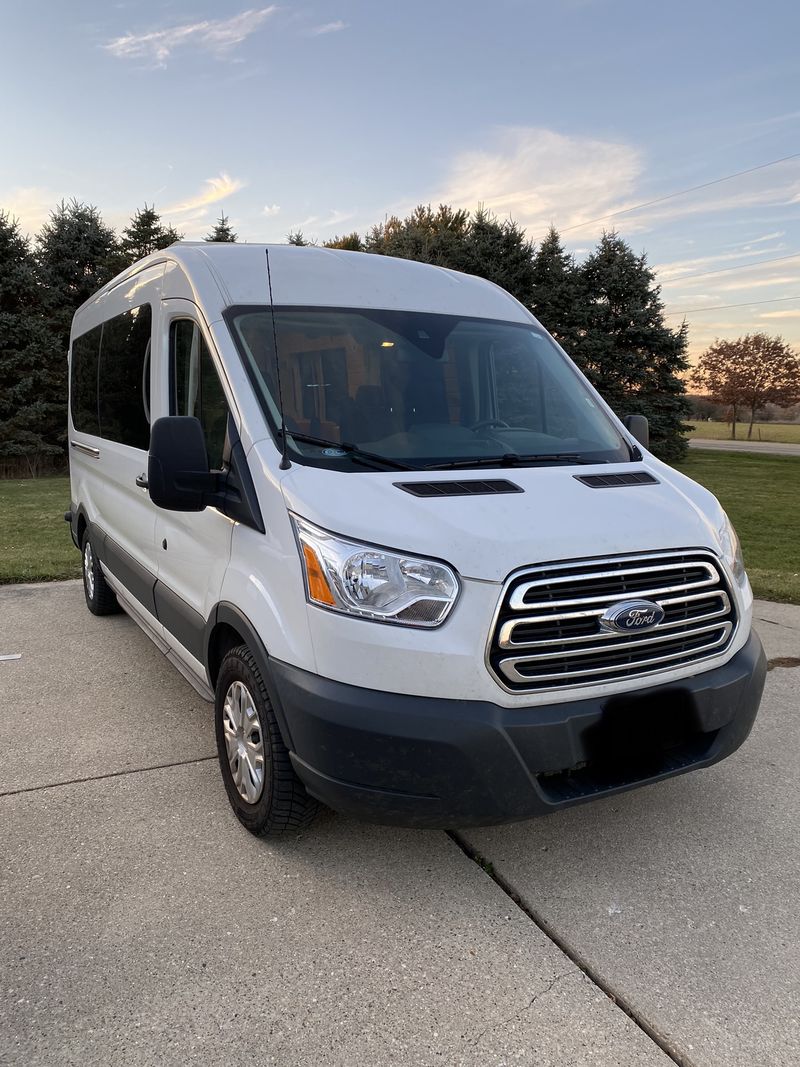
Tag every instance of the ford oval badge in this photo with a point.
(630, 616)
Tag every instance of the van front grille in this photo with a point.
(547, 634)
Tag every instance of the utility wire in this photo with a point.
(724, 270)
(681, 192)
(723, 307)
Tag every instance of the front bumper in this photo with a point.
(434, 762)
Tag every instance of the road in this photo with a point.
(770, 448)
(140, 924)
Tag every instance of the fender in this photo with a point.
(228, 614)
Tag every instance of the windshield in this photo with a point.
(420, 390)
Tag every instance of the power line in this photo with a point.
(681, 192)
(724, 270)
(724, 307)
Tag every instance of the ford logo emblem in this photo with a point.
(630, 616)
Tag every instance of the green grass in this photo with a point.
(35, 545)
(762, 496)
(784, 433)
(760, 493)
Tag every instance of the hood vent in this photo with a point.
(607, 481)
(474, 487)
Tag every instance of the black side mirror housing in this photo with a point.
(177, 466)
(637, 426)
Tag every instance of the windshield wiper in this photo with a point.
(354, 452)
(511, 459)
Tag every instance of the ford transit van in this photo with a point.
(372, 511)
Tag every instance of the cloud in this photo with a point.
(327, 27)
(320, 223)
(671, 272)
(217, 36)
(216, 189)
(30, 204)
(794, 314)
(539, 177)
(271, 209)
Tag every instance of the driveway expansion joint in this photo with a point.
(783, 661)
(103, 777)
(617, 998)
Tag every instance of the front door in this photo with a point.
(193, 548)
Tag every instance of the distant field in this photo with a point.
(762, 431)
(760, 493)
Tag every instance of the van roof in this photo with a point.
(226, 274)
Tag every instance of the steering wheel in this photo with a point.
(484, 424)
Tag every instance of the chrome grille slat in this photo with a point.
(621, 646)
(518, 597)
(547, 634)
(505, 638)
(605, 670)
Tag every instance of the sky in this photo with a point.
(329, 115)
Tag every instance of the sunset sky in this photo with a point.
(328, 116)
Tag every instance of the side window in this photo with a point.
(196, 388)
(124, 378)
(83, 381)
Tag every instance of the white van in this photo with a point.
(371, 510)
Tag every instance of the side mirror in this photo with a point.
(637, 427)
(177, 467)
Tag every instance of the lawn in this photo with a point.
(762, 496)
(760, 493)
(35, 544)
(785, 433)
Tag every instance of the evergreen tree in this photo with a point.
(476, 244)
(501, 252)
(32, 405)
(295, 237)
(558, 300)
(626, 349)
(350, 242)
(145, 234)
(76, 253)
(222, 232)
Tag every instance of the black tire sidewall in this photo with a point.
(91, 601)
(235, 669)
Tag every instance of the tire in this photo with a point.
(100, 599)
(247, 732)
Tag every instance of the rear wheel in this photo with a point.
(100, 599)
(265, 793)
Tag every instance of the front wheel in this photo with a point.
(100, 599)
(265, 793)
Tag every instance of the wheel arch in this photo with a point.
(228, 627)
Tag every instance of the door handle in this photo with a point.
(141, 481)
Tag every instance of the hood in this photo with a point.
(555, 517)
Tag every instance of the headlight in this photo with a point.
(369, 582)
(731, 549)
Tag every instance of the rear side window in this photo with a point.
(124, 378)
(83, 381)
(196, 388)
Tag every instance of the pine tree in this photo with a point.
(476, 244)
(222, 232)
(350, 242)
(558, 300)
(76, 253)
(32, 404)
(145, 234)
(626, 349)
(295, 237)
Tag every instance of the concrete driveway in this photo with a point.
(140, 924)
